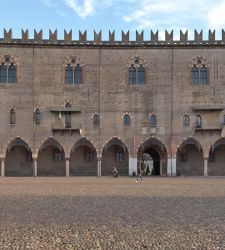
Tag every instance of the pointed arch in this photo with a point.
(83, 159)
(199, 70)
(13, 116)
(8, 69)
(156, 150)
(51, 159)
(216, 158)
(189, 158)
(136, 71)
(37, 116)
(186, 121)
(73, 70)
(115, 153)
(18, 159)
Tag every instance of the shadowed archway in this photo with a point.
(216, 161)
(115, 153)
(83, 159)
(18, 161)
(51, 159)
(152, 155)
(190, 160)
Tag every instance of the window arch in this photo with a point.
(7, 69)
(96, 119)
(73, 70)
(153, 120)
(126, 120)
(68, 122)
(203, 75)
(199, 71)
(132, 75)
(141, 74)
(13, 116)
(186, 121)
(37, 116)
(198, 121)
(136, 72)
(194, 75)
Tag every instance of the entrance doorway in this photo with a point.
(152, 157)
(152, 165)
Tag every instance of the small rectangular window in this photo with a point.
(57, 156)
(119, 156)
(89, 156)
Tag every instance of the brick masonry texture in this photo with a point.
(168, 93)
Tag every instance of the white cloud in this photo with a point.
(48, 3)
(84, 10)
(88, 8)
(169, 14)
(216, 17)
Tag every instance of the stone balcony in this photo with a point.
(60, 128)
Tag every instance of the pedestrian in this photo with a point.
(139, 172)
(115, 172)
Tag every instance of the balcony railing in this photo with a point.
(59, 127)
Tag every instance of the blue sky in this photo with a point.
(115, 15)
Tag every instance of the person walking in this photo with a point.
(139, 172)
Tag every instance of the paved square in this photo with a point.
(107, 213)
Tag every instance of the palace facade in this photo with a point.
(78, 107)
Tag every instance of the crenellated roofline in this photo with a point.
(125, 41)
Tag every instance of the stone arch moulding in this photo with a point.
(115, 153)
(17, 141)
(83, 159)
(118, 139)
(190, 158)
(157, 151)
(189, 140)
(83, 141)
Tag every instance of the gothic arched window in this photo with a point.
(141, 74)
(153, 120)
(199, 71)
(12, 116)
(136, 72)
(198, 121)
(195, 75)
(7, 69)
(73, 70)
(69, 74)
(37, 116)
(203, 75)
(96, 119)
(126, 120)
(186, 121)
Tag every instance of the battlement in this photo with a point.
(154, 40)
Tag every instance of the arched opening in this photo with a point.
(18, 161)
(83, 159)
(152, 156)
(51, 159)
(190, 160)
(115, 153)
(216, 166)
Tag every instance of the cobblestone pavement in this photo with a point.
(107, 213)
